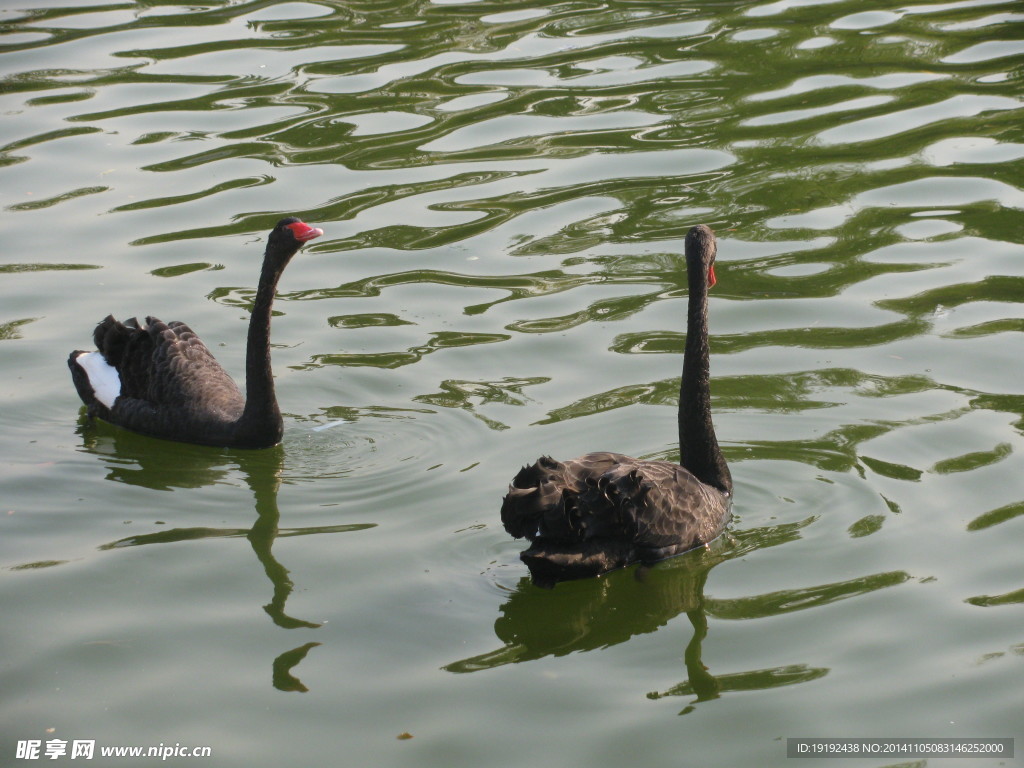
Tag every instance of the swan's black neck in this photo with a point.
(698, 446)
(260, 424)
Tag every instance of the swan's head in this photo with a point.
(290, 234)
(702, 247)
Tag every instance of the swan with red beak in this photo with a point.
(160, 379)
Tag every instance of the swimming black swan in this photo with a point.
(160, 379)
(603, 511)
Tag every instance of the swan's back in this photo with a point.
(166, 364)
(169, 383)
(605, 510)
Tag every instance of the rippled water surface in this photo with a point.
(504, 189)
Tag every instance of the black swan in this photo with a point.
(602, 511)
(159, 379)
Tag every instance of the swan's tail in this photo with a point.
(539, 501)
(579, 516)
(97, 375)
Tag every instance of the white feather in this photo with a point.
(330, 424)
(103, 378)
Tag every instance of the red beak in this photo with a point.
(711, 276)
(303, 232)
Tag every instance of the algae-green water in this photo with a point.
(505, 188)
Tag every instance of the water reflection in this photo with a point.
(164, 466)
(283, 678)
(593, 614)
(590, 614)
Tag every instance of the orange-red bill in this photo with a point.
(304, 232)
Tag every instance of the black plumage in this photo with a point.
(602, 511)
(167, 382)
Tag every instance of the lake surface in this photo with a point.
(505, 188)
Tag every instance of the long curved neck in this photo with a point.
(261, 417)
(698, 446)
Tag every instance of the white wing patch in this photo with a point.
(106, 384)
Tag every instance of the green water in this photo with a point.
(504, 189)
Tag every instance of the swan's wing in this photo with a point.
(164, 365)
(661, 505)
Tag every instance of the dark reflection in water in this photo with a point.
(164, 465)
(283, 678)
(592, 614)
(989, 601)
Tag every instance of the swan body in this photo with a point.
(160, 379)
(602, 511)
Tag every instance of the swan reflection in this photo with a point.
(166, 466)
(593, 614)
